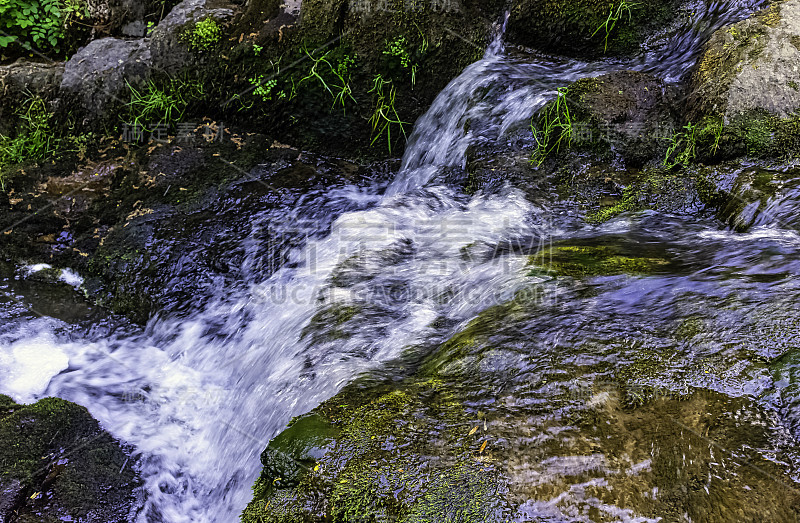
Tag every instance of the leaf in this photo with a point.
(483, 447)
(473, 431)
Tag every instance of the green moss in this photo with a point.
(203, 36)
(7, 406)
(27, 435)
(378, 465)
(283, 506)
(630, 201)
(603, 260)
(465, 493)
(689, 328)
(654, 189)
(295, 450)
(59, 440)
(329, 323)
(756, 134)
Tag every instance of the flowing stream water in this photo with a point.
(199, 397)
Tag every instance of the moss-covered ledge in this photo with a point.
(57, 464)
(405, 453)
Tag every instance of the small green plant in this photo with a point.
(399, 48)
(339, 86)
(683, 147)
(203, 36)
(615, 13)
(153, 104)
(384, 116)
(714, 129)
(38, 25)
(554, 129)
(343, 72)
(265, 85)
(264, 88)
(34, 140)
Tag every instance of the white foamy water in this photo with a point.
(28, 365)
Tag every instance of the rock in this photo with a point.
(542, 410)
(21, 80)
(397, 458)
(169, 51)
(97, 76)
(574, 27)
(627, 113)
(295, 451)
(748, 196)
(56, 462)
(127, 17)
(751, 66)
(436, 41)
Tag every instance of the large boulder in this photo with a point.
(625, 113)
(96, 78)
(745, 88)
(751, 65)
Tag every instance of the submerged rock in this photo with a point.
(56, 463)
(405, 455)
(483, 445)
(596, 260)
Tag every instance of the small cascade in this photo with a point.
(200, 397)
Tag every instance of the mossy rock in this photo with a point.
(625, 114)
(398, 452)
(659, 189)
(417, 47)
(331, 322)
(576, 27)
(744, 88)
(56, 461)
(754, 133)
(581, 261)
(750, 65)
(295, 450)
